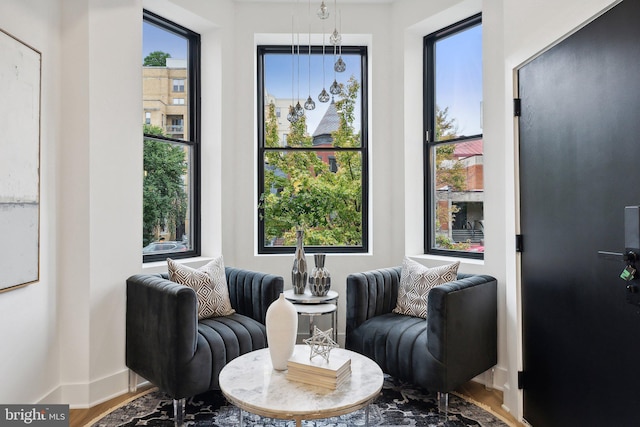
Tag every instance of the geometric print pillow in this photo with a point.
(210, 284)
(416, 281)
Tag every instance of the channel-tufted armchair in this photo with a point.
(167, 345)
(456, 342)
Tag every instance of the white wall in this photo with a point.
(63, 338)
(29, 353)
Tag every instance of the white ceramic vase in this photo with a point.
(282, 328)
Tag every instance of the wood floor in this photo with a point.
(492, 399)
(476, 391)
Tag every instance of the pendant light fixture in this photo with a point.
(324, 96)
(340, 65)
(297, 111)
(334, 39)
(323, 12)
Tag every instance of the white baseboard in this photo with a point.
(86, 395)
(499, 378)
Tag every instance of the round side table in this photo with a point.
(311, 306)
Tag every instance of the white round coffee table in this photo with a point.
(250, 383)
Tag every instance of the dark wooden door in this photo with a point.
(579, 168)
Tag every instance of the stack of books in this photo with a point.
(318, 371)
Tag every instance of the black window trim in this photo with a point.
(194, 108)
(364, 149)
(429, 132)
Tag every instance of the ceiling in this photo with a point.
(328, 2)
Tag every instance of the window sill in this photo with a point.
(155, 267)
(310, 254)
(449, 259)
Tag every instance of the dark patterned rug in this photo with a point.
(399, 404)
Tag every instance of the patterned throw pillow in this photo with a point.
(210, 284)
(416, 281)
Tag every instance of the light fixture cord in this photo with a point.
(335, 29)
(298, 33)
(293, 77)
(309, 19)
(340, 44)
(323, 70)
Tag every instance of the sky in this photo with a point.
(155, 38)
(281, 80)
(458, 74)
(459, 79)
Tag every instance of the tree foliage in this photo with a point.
(302, 192)
(164, 197)
(450, 172)
(450, 175)
(156, 59)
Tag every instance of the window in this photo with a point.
(312, 174)
(178, 85)
(178, 101)
(171, 193)
(454, 189)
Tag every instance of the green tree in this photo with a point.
(164, 196)
(301, 191)
(156, 59)
(450, 173)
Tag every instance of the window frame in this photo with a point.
(178, 87)
(429, 108)
(194, 141)
(361, 50)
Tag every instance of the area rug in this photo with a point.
(399, 404)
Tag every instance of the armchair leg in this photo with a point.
(178, 411)
(443, 405)
(488, 384)
(133, 381)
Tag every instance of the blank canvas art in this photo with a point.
(19, 163)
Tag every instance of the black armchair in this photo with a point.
(457, 342)
(168, 346)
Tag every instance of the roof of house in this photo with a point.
(468, 148)
(330, 121)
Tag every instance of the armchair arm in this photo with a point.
(371, 294)
(161, 328)
(252, 292)
(462, 324)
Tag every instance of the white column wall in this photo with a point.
(100, 192)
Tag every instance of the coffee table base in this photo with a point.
(299, 420)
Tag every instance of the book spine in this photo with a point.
(318, 369)
(313, 381)
(323, 372)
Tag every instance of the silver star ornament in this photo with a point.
(321, 343)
